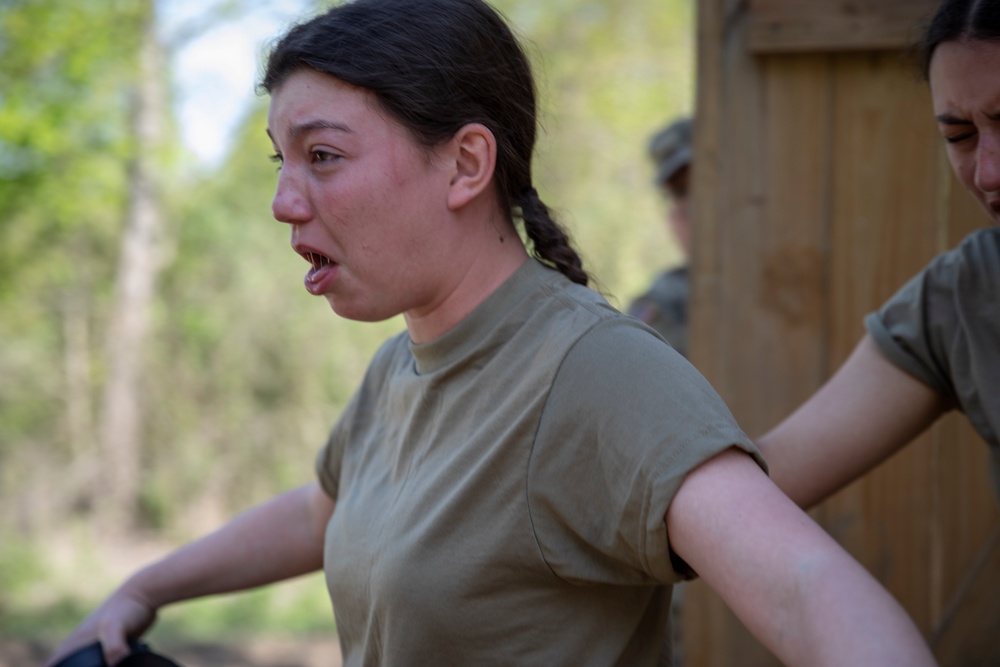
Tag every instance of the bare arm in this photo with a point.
(865, 413)
(789, 582)
(279, 539)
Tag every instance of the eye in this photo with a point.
(277, 158)
(321, 156)
(959, 138)
(957, 131)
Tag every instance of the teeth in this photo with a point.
(317, 260)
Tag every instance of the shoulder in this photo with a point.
(933, 322)
(958, 282)
(973, 263)
(967, 273)
(626, 418)
(621, 361)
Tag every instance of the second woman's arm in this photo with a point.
(865, 413)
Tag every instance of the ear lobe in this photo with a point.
(475, 155)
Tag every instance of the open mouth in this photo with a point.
(321, 273)
(317, 260)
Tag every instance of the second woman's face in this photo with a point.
(965, 86)
(365, 204)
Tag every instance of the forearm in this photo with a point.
(840, 603)
(866, 412)
(831, 611)
(280, 539)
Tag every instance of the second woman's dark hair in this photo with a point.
(957, 20)
(435, 66)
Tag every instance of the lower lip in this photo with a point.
(318, 281)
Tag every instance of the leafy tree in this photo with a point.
(64, 140)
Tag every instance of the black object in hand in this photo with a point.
(93, 656)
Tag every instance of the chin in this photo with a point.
(354, 311)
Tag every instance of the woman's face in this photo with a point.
(965, 86)
(364, 202)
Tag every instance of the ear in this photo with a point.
(474, 150)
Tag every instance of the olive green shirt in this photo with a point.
(501, 491)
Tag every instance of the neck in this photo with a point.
(476, 270)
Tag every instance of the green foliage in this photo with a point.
(64, 74)
(297, 607)
(19, 566)
(63, 112)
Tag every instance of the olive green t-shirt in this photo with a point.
(501, 491)
(943, 327)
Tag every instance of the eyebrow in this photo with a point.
(313, 125)
(948, 119)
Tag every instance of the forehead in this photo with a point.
(308, 98)
(965, 77)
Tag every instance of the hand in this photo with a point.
(122, 617)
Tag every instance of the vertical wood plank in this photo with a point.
(712, 637)
(885, 229)
(760, 277)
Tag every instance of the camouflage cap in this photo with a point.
(671, 148)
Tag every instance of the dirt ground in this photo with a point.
(309, 652)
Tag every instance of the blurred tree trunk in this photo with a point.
(139, 263)
(78, 395)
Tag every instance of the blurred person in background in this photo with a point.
(664, 306)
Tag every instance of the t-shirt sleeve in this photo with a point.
(945, 314)
(627, 418)
(904, 329)
(329, 459)
(943, 328)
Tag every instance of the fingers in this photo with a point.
(115, 645)
(114, 623)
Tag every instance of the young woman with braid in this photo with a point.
(507, 486)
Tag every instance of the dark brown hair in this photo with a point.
(957, 20)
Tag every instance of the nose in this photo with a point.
(988, 162)
(290, 204)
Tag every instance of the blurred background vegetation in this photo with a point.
(161, 366)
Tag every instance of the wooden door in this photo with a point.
(820, 187)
